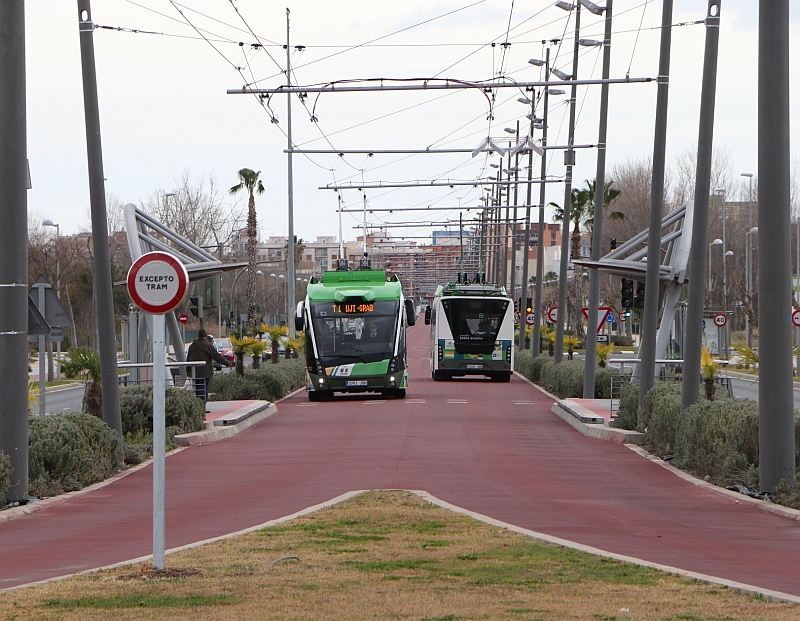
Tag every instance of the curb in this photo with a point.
(786, 513)
(221, 432)
(600, 431)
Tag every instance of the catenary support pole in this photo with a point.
(523, 324)
(599, 205)
(690, 390)
(290, 267)
(97, 197)
(570, 160)
(537, 301)
(775, 404)
(647, 347)
(14, 248)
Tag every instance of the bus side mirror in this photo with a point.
(298, 317)
(428, 316)
(411, 316)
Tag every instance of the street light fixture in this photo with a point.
(561, 75)
(536, 62)
(592, 7)
(509, 130)
(556, 91)
(567, 6)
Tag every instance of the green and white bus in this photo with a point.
(472, 331)
(355, 329)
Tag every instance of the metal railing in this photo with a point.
(671, 371)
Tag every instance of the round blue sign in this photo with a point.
(610, 318)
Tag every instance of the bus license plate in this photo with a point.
(356, 383)
(474, 366)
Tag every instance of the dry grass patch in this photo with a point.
(386, 555)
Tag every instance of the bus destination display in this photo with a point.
(361, 307)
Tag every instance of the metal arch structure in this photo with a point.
(146, 234)
(630, 261)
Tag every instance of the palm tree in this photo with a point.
(582, 211)
(248, 180)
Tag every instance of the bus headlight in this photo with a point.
(391, 379)
(321, 381)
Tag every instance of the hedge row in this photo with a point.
(183, 410)
(70, 451)
(565, 380)
(717, 440)
(5, 476)
(268, 383)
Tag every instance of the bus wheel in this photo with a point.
(399, 393)
(314, 395)
(438, 376)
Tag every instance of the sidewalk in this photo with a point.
(226, 419)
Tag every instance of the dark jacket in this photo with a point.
(201, 350)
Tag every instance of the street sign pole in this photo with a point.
(157, 283)
(159, 433)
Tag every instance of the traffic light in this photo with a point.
(529, 307)
(613, 244)
(196, 306)
(639, 301)
(516, 305)
(627, 293)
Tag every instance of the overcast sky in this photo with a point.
(164, 108)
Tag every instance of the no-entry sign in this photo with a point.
(552, 314)
(796, 318)
(157, 282)
(183, 317)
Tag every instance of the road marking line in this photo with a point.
(373, 402)
(456, 401)
(307, 405)
(523, 402)
(416, 401)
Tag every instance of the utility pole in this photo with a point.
(14, 249)
(290, 259)
(569, 160)
(526, 248)
(690, 389)
(537, 302)
(647, 348)
(775, 404)
(97, 195)
(589, 365)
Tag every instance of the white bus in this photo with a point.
(472, 332)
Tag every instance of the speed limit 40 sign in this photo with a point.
(720, 319)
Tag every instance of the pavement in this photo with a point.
(498, 452)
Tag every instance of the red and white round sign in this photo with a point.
(157, 282)
(183, 318)
(552, 314)
(720, 319)
(796, 318)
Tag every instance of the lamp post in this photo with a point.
(749, 285)
(716, 242)
(233, 288)
(49, 222)
(747, 256)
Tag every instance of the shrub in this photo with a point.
(621, 340)
(184, 412)
(69, 451)
(661, 416)
(564, 379)
(602, 381)
(523, 361)
(269, 383)
(5, 476)
(628, 417)
(718, 439)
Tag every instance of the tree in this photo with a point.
(248, 180)
(582, 211)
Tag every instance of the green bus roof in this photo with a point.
(369, 285)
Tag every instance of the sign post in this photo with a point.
(157, 283)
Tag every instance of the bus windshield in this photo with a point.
(357, 330)
(474, 321)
